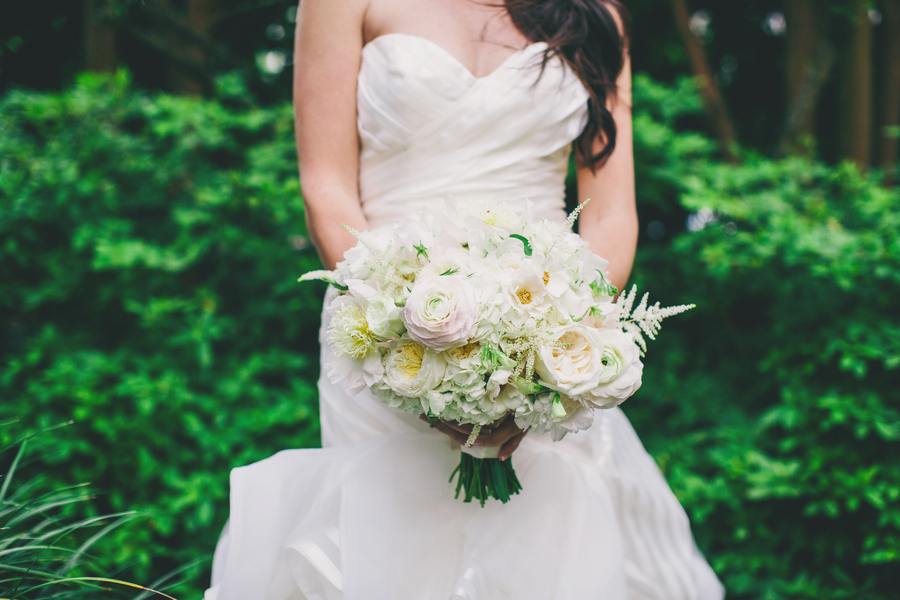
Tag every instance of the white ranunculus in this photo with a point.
(385, 320)
(572, 363)
(441, 312)
(622, 370)
(412, 369)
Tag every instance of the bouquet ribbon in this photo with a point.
(482, 451)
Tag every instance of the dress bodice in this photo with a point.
(429, 127)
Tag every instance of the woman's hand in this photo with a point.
(504, 433)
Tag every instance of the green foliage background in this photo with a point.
(148, 288)
(149, 247)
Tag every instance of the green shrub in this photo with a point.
(149, 247)
(149, 251)
(774, 407)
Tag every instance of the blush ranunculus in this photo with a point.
(441, 312)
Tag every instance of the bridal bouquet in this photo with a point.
(473, 312)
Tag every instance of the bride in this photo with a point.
(398, 103)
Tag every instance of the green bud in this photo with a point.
(557, 409)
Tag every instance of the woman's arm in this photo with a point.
(609, 222)
(327, 52)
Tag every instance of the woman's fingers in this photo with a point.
(466, 429)
(497, 424)
(503, 432)
(457, 436)
(499, 436)
(485, 429)
(509, 447)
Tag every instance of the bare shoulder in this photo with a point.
(336, 7)
(329, 18)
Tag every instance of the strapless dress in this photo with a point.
(371, 515)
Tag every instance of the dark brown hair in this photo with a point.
(586, 34)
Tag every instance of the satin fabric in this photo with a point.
(371, 516)
(428, 126)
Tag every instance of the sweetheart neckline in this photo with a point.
(453, 57)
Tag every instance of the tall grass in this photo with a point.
(44, 553)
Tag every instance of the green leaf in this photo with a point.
(524, 240)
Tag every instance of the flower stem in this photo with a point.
(483, 478)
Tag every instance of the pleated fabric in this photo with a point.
(372, 516)
(428, 127)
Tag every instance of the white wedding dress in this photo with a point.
(371, 516)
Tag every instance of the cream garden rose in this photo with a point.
(412, 369)
(441, 312)
(571, 363)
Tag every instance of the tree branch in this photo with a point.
(716, 109)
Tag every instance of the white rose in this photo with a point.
(441, 312)
(572, 364)
(622, 369)
(411, 369)
(384, 317)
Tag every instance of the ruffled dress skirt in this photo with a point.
(372, 516)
